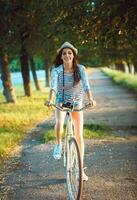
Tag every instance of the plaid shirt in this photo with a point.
(71, 92)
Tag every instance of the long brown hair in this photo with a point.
(58, 61)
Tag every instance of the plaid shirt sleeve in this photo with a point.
(84, 79)
(53, 81)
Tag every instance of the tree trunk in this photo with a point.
(47, 72)
(8, 90)
(34, 73)
(126, 67)
(25, 71)
(135, 65)
(119, 66)
(132, 69)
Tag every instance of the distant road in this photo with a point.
(17, 78)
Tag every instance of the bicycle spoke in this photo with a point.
(74, 177)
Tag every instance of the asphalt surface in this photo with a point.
(111, 164)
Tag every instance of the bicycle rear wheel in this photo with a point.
(74, 171)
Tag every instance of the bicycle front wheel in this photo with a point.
(74, 171)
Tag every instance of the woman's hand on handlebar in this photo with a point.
(48, 103)
(92, 102)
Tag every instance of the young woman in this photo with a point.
(68, 81)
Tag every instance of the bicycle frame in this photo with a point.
(73, 169)
(69, 125)
(68, 133)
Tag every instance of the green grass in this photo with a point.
(48, 136)
(95, 131)
(127, 80)
(16, 119)
(90, 131)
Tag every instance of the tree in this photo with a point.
(8, 90)
(113, 27)
(6, 38)
(32, 64)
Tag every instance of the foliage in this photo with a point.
(112, 26)
(103, 31)
(15, 64)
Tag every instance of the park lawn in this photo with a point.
(16, 119)
(127, 80)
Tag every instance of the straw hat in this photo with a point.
(67, 45)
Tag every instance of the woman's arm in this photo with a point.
(52, 95)
(89, 95)
(53, 87)
(90, 98)
(86, 86)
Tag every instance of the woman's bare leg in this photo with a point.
(60, 116)
(78, 128)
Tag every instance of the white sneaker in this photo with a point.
(57, 151)
(85, 177)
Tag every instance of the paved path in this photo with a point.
(111, 165)
(116, 106)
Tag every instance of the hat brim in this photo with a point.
(74, 49)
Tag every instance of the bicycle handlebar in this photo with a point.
(72, 109)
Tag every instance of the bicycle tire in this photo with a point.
(74, 171)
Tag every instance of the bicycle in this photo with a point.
(72, 158)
